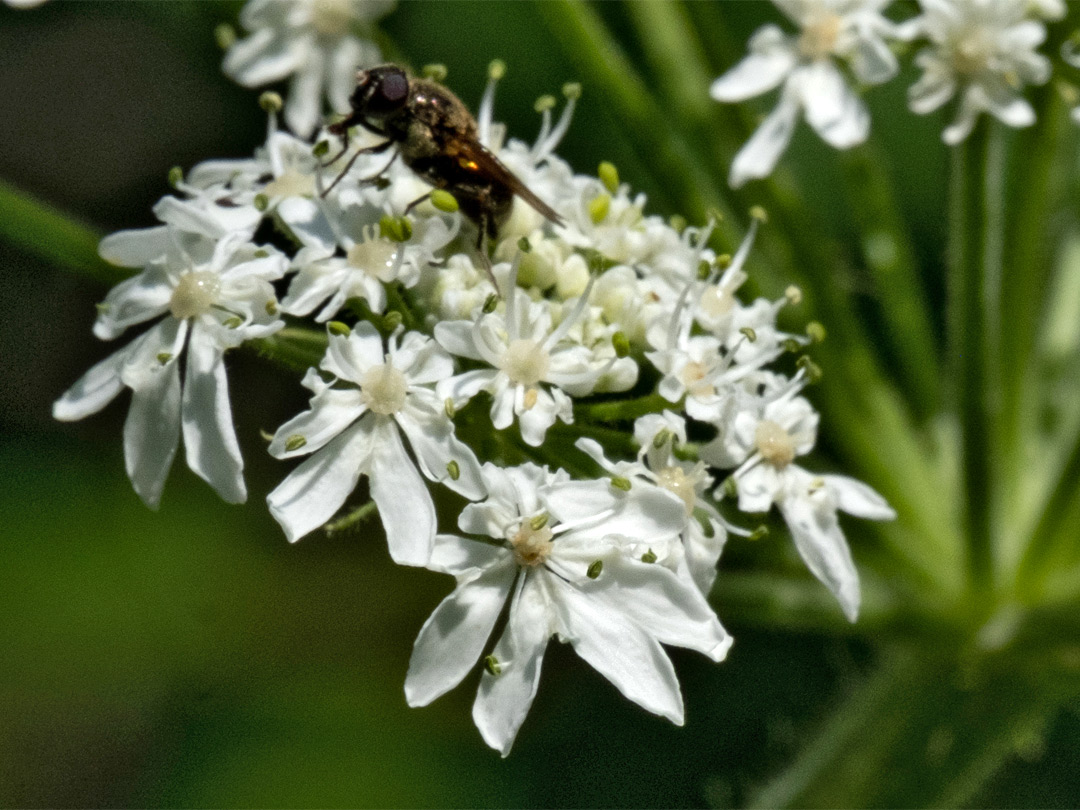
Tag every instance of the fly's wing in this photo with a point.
(485, 164)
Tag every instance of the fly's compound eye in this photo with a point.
(389, 93)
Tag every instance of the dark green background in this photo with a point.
(191, 657)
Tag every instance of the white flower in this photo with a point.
(214, 296)
(522, 351)
(561, 559)
(354, 428)
(766, 440)
(983, 49)
(804, 67)
(313, 41)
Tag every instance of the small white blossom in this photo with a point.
(985, 51)
(314, 41)
(805, 68)
(354, 428)
(213, 296)
(561, 559)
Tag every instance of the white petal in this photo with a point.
(332, 411)
(152, 433)
(856, 498)
(209, 437)
(872, 61)
(760, 71)
(457, 338)
(94, 390)
(832, 108)
(135, 248)
(535, 421)
(458, 555)
(265, 56)
(341, 72)
(463, 387)
(405, 505)
(133, 301)
(311, 286)
(349, 357)
(315, 490)
(620, 651)
(503, 700)
(308, 223)
(432, 439)
(453, 637)
(304, 106)
(644, 512)
(824, 549)
(932, 90)
(759, 155)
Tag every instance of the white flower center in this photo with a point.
(775, 444)
(973, 51)
(292, 183)
(693, 377)
(532, 546)
(194, 294)
(375, 257)
(716, 301)
(675, 479)
(525, 361)
(331, 18)
(818, 38)
(383, 389)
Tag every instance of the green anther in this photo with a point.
(444, 200)
(572, 90)
(714, 214)
(760, 214)
(523, 245)
(382, 183)
(397, 229)
(815, 331)
(621, 344)
(812, 369)
(620, 482)
(321, 149)
(608, 175)
(496, 69)
(261, 202)
(448, 407)
(492, 665)
(164, 357)
(490, 303)
(392, 320)
(271, 102)
(594, 569)
(544, 103)
(760, 533)
(723, 261)
(748, 333)
(261, 253)
(235, 322)
(271, 308)
(791, 345)
(599, 208)
(537, 522)
(678, 222)
(266, 437)
(436, 72)
(295, 442)
(225, 36)
(704, 269)
(176, 177)
(649, 556)
(103, 308)
(662, 437)
(730, 487)
(338, 328)
(793, 294)
(453, 470)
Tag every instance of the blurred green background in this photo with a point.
(191, 657)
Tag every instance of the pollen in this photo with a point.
(532, 546)
(693, 376)
(383, 389)
(291, 184)
(675, 479)
(775, 444)
(331, 18)
(525, 361)
(818, 38)
(716, 301)
(194, 294)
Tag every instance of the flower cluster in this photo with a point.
(982, 52)
(595, 390)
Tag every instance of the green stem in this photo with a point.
(621, 410)
(974, 286)
(294, 347)
(354, 518)
(45, 232)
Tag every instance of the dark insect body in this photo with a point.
(436, 136)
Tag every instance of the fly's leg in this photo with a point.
(416, 202)
(377, 149)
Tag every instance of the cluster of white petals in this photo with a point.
(982, 52)
(319, 43)
(432, 366)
